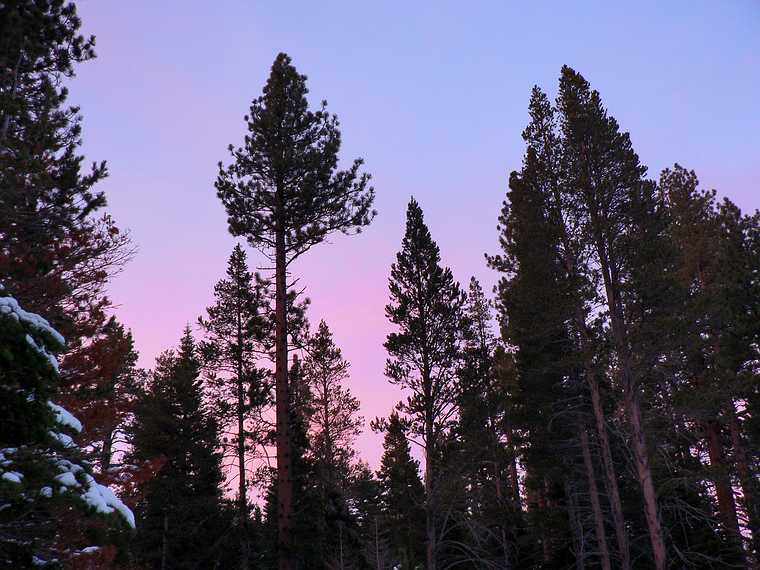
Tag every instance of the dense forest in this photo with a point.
(599, 409)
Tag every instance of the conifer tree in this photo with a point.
(542, 175)
(179, 509)
(533, 305)
(283, 192)
(58, 252)
(236, 337)
(485, 462)
(605, 180)
(402, 497)
(335, 420)
(715, 271)
(56, 255)
(426, 306)
(335, 423)
(309, 530)
(103, 382)
(53, 508)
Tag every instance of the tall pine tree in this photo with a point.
(426, 306)
(283, 192)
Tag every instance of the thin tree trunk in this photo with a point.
(106, 453)
(610, 476)
(165, 543)
(633, 408)
(242, 489)
(723, 491)
(284, 459)
(500, 499)
(340, 534)
(513, 475)
(747, 480)
(429, 502)
(546, 538)
(575, 523)
(644, 474)
(6, 113)
(596, 507)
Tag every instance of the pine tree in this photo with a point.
(309, 530)
(533, 302)
(605, 181)
(49, 496)
(542, 174)
(56, 255)
(57, 251)
(103, 382)
(285, 194)
(179, 511)
(426, 306)
(483, 459)
(236, 338)
(715, 273)
(402, 497)
(335, 423)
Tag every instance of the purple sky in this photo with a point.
(432, 95)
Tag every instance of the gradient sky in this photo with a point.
(433, 95)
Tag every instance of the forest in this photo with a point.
(600, 408)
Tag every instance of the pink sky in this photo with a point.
(433, 96)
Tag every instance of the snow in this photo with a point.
(4, 461)
(105, 501)
(64, 439)
(98, 496)
(44, 352)
(65, 418)
(12, 476)
(9, 306)
(67, 479)
(46, 492)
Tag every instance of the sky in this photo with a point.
(433, 96)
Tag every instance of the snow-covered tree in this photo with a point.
(52, 510)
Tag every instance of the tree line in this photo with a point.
(599, 410)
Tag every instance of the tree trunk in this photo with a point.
(377, 548)
(513, 475)
(723, 491)
(596, 507)
(644, 473)
(610, 476)
(107, 452)
(577, 526)
(747, 480)
(500, 499)
(284, 459)
(7, 114)
(633, 407)
(546, 537)
(429, 503)
(242, 489)
(165, 543)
